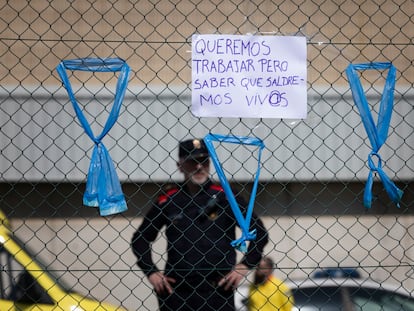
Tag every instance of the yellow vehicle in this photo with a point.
(25, 284)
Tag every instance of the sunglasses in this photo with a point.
(199, 160)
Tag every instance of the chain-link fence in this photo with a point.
(314, 170)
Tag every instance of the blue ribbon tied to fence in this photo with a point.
(243, 221)
(103, 188)
(377, 133)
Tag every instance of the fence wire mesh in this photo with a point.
(314, 170)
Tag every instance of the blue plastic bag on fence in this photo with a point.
(103, 188)
(243, 221)
(377, 134)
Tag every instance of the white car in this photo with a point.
(349, 294)
(342, 290)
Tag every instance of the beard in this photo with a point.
(199, 178)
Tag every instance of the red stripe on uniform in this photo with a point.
(164, 197)
(217, 187)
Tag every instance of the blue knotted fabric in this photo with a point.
(244, 222)
(377, 134)
(103, 188)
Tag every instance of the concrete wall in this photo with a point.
(94, 257)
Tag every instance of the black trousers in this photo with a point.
(202, 295)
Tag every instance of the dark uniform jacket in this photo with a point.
(199, 231)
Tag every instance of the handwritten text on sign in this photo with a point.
(249, 76)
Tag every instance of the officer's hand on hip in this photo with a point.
(232, 279)
(161, 282)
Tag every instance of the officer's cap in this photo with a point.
(192, 148)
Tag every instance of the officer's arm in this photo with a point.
(142, 239)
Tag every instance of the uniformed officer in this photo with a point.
(201, 272)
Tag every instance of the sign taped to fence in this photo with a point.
(249, 76)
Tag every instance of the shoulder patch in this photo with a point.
(217, 187)
(162, 198)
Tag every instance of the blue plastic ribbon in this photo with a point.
(377, 134)
(244, 222)
(103, 188)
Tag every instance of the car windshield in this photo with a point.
(58, 280)
(350, 299)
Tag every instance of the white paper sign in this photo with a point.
(249, 76)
